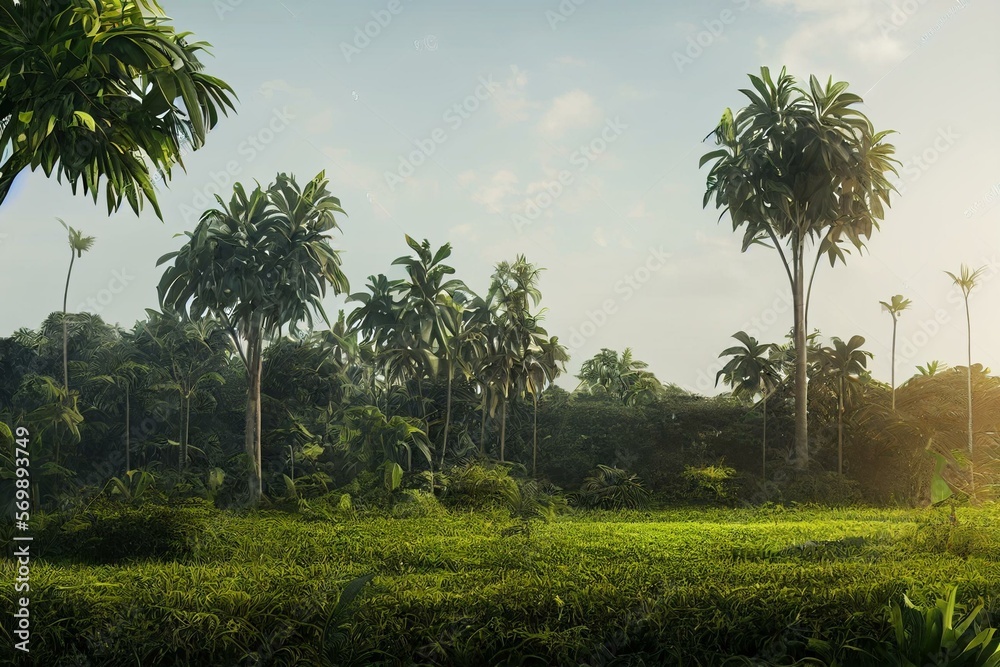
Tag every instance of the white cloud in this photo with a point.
(574, 110)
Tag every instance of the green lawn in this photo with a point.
(667, 587)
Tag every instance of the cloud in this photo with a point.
(500, 188)
(574, 110)
(511, 99)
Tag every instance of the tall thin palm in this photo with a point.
(78, 244)
(894, 307)
(966, 281)
(753, 370)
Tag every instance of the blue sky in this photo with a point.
(571, 133)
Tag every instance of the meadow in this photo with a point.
(696, 586)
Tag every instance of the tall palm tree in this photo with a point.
(78, 244)
(101, 91)
(116, 366)
(259, 263)
(846, 364)
(894, 307)
(544, 362)
(752, 370)
(966, 281)
(803, 171)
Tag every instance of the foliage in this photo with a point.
(713, 482)
(613, 488)
(935, 636)
(101, 90)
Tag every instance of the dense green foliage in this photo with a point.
(681, 587)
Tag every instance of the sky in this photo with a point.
(570, 132)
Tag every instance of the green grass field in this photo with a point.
(668, 587)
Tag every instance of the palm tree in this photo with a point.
(101, 90)
(78, 244)
(846, 364)
(544, 362)
(966, 281)
(622, 378)
(259, 263)
(752, 370)
(803, 172)
(116, 366)
(894, 307)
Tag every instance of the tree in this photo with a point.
(846, 364)
(966, 281)
(78, 244)
(751, 371)
(894, 307)
(623, 379)
(544, 362)
(803, 172)
(259, 263)
(115, 366)
(93, 90)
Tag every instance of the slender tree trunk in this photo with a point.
(251, 441)
(482, 426)
(187, 430)
(968, 330)
(763, 447)
(801, 370)
(69, 273)
(180, 430)
(503, 429)
(128, 427)
(447, 419)
(893, 372)
(259, 410)
(534, 439)
(291, 457)
(840, 428)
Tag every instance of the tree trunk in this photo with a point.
(482, 426)
(69, 273)
(503, 429)
(447, 419)
(180, 429)
(534, 439)
(251, 439)
(968, 330)
(893, 372)
(187, 430)
(763, 447)
(801, 370)
(840, 428)
(128, 426)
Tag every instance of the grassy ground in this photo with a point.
(670, 587)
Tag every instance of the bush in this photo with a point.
(108, 532)
(416, 504)
(827, 488)
(613, 489)
(714, 482)
(475, 486)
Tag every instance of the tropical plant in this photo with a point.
(373, 441)
(545, 360)
(622, 378)
(613, 488)
(934, 636)
(752, 371)
(803, 172)
(846, 364)
(116, 366)
(95, 90)
(259, 263)
(932, 368)
(78, 244)
(894, 307)
(966, 282)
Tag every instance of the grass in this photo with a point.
(690, 586)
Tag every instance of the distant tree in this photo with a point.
(752, 371)
(846, 364)
(966, 281)
(78, 244)
(803, 172)
(623, 378)
(894, 307)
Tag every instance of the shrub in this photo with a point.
(713, 482)
(475, 486)
(614, 489)
(827, 488)
(416, 504)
